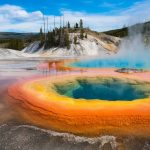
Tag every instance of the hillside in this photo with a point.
(94, 44)
(70, 42)
(144, 27)
(118, 32)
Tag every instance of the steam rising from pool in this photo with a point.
(134, 52)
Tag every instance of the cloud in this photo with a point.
(16, 18)
(95, 21)
(138, 13)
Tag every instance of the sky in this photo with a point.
(99, 15)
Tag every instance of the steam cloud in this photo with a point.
(135, 48)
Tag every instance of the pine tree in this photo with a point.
(75, 39)
(50, 40)
(41, 31)
(20, 44)
(81, 34)
(76, 25)
(56, 35)
(68, 25)
(41, 36)
(81, 23)
(86, 35)
(67, 40)
(17, 44)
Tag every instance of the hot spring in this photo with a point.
(133, 52)
(88, 103)
(87, 98)
(111, 89)
(112, 62)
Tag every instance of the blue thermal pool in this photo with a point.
(111, 63)
(111, 89)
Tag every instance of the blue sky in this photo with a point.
(54, 7)
(100, 15)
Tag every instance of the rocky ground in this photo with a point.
(26, 137)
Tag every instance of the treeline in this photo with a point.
(60, 37)
(17, 44)
(3, 41)
(143, 28)
(118, 32)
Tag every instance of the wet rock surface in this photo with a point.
(129, 70)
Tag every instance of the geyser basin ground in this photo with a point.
(40, 103)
